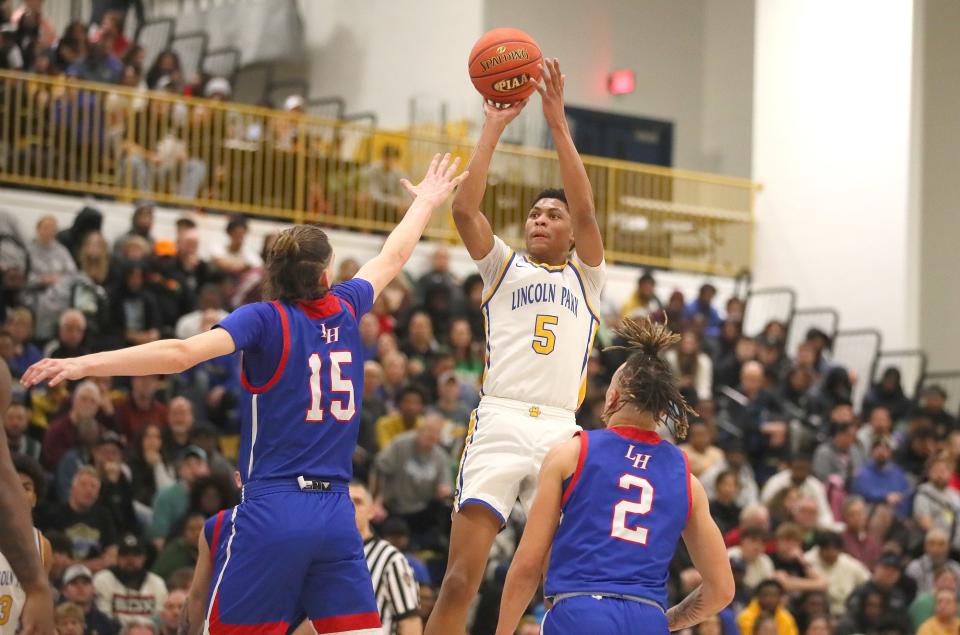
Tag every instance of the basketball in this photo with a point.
(503, 65)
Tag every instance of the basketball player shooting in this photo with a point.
(611, 505)
(541, 322)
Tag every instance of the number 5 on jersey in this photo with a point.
(544, 339)
(339, 411)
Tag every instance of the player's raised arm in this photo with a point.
(709, 555)
(17, 541)
(576, 184)
(438, 183)
(473, 226)
(526, 568)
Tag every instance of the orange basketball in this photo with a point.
(503, 65)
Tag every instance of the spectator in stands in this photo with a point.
(87, 524)
(128, 591)
(169, 622)
(141, 224)
(923, 607)
(914, 452)
(20, 327)
(15, 422)
(879, 426)
(116, 492)
(206, 437)
(936, 556)
(235, 258)
(112, 22)
(692, 367)
(842, 572)
(179, 430)
(842, 455)
(933, 401)
(33, 10)
(886, 582)
(71, 336)
(450, 402)
(83, 291)
(796, 394)
(768, 600)
(414, 480)
(799, 475)
(181, 551)
(72, 46)
(727, 371)
(792, 570)
(858, 540)
(11, 58)
(420, 344)
(99, 64)
(78, 589)
(68, 619)
(701, 452)
(703, 307)
(438, 274)
(382, 184)
(944, 620)
(135, 310)
(171, 503)
(836, 388)
(643, 302)
(191, 270)
(49, 260)
(889, 393)
(166, 64)
(758, 566)
(466, 351)
(723, 506)
(881, 480)
(869, 616)
(217, 89)
(735, 459)
(935, 503)
(62, 434)
(150, 471)
(140, 407)
(122, 7)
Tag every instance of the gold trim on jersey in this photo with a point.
(500, 276)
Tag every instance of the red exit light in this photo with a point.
(621, 82)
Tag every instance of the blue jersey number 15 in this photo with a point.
(341, 411)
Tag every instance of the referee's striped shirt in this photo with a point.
(398, 595)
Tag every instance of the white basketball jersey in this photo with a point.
(12, 596)
(540, 323)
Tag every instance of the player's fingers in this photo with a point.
(544, 71)
(433, 164)
(452, 169)
(408, 186)
(442, 169)
(555, 73)
(540, 89)
(61, 376)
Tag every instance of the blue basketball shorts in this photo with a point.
(284, 555)
(603, 616)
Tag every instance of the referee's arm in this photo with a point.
(404, 594)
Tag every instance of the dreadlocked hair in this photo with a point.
(646, 381)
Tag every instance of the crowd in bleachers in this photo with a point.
(840, 517)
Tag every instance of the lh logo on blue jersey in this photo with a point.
(330, 335)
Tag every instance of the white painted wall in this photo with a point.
(940, 218)
(378, 54)
(832, 147)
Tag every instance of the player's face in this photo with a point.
(549, 234)
(27, 483)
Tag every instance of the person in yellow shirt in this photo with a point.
(408, 415)
(643, 302)
(944, 620)
(768, 598)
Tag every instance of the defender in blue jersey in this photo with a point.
(612, 505)
(290, 551)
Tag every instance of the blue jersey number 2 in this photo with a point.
(341, 411)
(642, 507)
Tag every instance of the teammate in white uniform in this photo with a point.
(541, 321)
(12, 596)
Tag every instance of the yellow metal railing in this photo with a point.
(76, 136)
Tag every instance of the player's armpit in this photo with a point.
(709, 555)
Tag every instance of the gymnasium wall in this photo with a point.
(834, 143)
(940, 218)
(692, 58)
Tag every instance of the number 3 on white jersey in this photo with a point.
(339, 411)
(619, 529)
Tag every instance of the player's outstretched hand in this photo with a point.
(439, 182)
(504, 113)
(551, 91)
(53, 371)
(37, 615)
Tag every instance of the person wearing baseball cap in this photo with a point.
(128, 591)
(77, 587)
